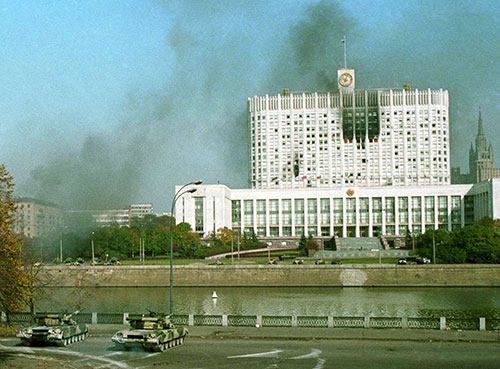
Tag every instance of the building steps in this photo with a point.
(359, 243)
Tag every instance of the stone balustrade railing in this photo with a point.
(224, 320)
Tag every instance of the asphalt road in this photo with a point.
(198, 353)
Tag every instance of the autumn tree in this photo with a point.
(311, 244)
(13, 278)
(225, 235)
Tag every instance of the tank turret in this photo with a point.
(54, 328)
(153, 331)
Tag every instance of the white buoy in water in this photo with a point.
(214, 295)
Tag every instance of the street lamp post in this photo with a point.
(177, 195)
(93, 259)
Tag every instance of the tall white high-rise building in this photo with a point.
(375, 137)
(350, 163)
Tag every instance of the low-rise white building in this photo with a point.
(343, 211)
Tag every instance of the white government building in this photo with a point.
(355, 163)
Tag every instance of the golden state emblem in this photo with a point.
(350, 192)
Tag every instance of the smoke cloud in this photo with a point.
(195, 127)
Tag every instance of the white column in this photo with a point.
(318, 216)
(396, 214)
(331, 216)
(384, 214)
(436, 206)
(344, 220)
(254, 201)
(370, 217)
(410, 214)
(356, 202)
(242, 216)
(442, 323)
(268, 221)
(482, 324)
(306, 221)
(422, 212)
(280, 219)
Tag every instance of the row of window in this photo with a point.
(313, 210)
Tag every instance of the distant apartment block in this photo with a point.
(36, 218)
(140, 210)
(120, 217)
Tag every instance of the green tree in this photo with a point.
(480, 242)
(302, 245)
(13, 278)
(251, 241)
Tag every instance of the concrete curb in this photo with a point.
(326, 334)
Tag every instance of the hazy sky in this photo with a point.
(105, 103)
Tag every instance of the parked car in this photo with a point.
(287, 257)
(402, 261)
(423, 261)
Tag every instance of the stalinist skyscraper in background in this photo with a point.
(481, 160)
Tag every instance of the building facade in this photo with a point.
(120, 217)
(140, 210)
(36, 218)
(354, 163)
(354, 137)
(346, 212)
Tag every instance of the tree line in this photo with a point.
(477, 244)
(124, 242)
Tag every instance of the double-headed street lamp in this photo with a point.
(177, 195)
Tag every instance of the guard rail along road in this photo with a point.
(442, 323)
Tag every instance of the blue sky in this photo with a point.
(109, 102)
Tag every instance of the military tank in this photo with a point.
(58, 328)
(152, 331)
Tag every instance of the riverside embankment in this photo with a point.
(274, 276)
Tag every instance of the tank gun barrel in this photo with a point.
(70, 315)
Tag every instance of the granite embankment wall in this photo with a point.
(275, 276)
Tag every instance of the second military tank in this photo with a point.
(153, 331)
(58, 328)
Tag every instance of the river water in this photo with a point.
(323, 301)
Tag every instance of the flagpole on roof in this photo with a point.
(344, 41)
